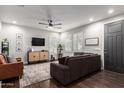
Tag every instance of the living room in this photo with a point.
(44, 36)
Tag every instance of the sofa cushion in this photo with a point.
(82, 53)
(78, 53)
(66, 60)
(77, 57)
(2, 59)
(62, 60)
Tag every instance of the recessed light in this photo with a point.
(14, 22)
(91, 19)
(110, 11)
(49, 27)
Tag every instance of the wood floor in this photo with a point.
(101, 79)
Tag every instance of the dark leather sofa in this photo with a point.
(72, 68)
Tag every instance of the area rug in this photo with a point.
(35, 73)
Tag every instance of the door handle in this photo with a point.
(105, 52)
(105, 49)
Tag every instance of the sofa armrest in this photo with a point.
(60, 72)
(11, 70)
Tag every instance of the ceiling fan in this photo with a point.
(50, 24)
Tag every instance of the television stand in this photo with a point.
(37, 56)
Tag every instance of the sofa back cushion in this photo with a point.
(74, 58)
(80, 58)
(82, 53)
(61, 60)
(2, 59)
(78, 53)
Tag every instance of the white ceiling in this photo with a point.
(70, 16)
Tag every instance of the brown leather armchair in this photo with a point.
(10, 70)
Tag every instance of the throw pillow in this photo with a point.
(2, 59)
(62, 60)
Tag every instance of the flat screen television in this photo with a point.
(38, 41)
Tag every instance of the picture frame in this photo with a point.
(92, 41)
(19, 42)
(19, 49)
(19, 36)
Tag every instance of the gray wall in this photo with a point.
(9, 31)
(79, 35)
(74, 39)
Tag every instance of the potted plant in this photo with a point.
(59, 49)
(5, 47)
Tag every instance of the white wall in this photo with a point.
(9, 31)
(89, 31)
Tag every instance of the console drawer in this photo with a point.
(43, 55)
(34, 56)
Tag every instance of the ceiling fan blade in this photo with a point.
(37, 18)
(57, 24)
(43, 23)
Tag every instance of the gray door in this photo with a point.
(113, 47)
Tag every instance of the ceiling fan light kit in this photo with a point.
(51, 25)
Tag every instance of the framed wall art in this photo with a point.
(19, 42)
(19, 49)
(19, 36)
(92, 41)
